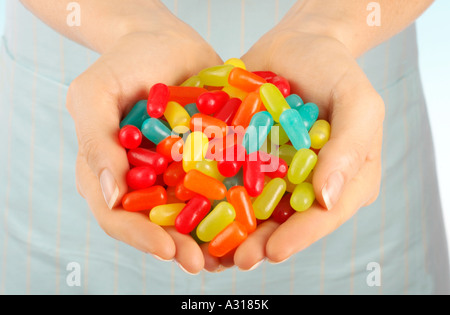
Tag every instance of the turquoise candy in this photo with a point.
(155, 130)
(294, 101)
(137, 115)
(257, 131)
(309, 113)
(191, 109)
(295, 128)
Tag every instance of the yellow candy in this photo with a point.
(273, 100)
(286, 152)
(277, 135)
(165, 215)
(216, 75)
(302, 164)
(194, 149)
(271, 195)
(209, 167)
(319, 134)
(217, 220)
(177, 117)
(302, 197)
(236, 62)
(234, 92)
(193, 81)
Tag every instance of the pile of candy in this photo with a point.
(221, 153)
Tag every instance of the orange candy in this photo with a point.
(245, 80)
(238, 197)
(205, 185)
(210, 126)
(228, 239)
(144, 199)
(184, 95)
(249, 106)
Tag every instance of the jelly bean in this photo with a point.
(194, 149)
(236, 62)
(212, 127)
(192, 214)
(216, 75)
(245, 80)
(145, 157)
(286, 152)
(141, 177)
(283, 210)
(271, 195)
(272, 165)
(185, 94)
(293, 125)
(238, 197)
(228, 239)
(157, 100)
(191, 109)
(177, 117)
(302, 164)
(277, 135)
(144, 199)
(319, 133)
(209, 167)
(210, 102)
(165, 215)
(273, 100)
(253, 178)
(309, 113)
(227, 112)
(217, 220)
(303, 197)
(267, 75)
(204, 185)
(155, 130)
(294, 101)
(194, 81)
(174, 173)
(231, 161)
(182, 193)
(234, 92)
(249, 107)
(282, 84)
(137, 115)
(130, 137)
(257, 131)
(171, 148)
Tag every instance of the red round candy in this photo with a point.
(141, 177)
(157, 100)
(130, 137)
(210, 102)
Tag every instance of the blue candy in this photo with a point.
(294, 126)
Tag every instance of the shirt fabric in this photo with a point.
(48, 233)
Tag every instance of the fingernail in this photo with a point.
(256, 265)
(182, 268)
(332, 189)
(159, 258)
(277, 262)
(109, 187)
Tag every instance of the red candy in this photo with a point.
(145, 157)
(227, 112)
(130, 137)
(282, 84)
(231, 160)
(191, 215)
(210, 102)
(254, 179)
(157, 100)
(141, 177)
(283, 210)
(144, 199)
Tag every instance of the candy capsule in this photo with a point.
(155, 130)
(271, 195)
(283, 210)
(174, 173)
(137, 115)
(141, 177)
(282, 84)
(194, 81)
(257, 131)
(130, 137)
(192, 214)
(192, 109)
(245, 80)
(272, 165)
(209, 167)
(302, 164)
(165, 215)
(228, 239)
(177, 117)
(303, 197)
(227, 112)
(273, 100)
(253, 178)
(294, 101)
(236, 62)
(238, 197)
(144, 199)
(232, 159)
(204, 185)
(216, 75)
(286, 152)
(319, 134)
(171, 148)
(184, 95)
(234, 92)
(216, 220)
(309, 113)
(194, 149)
(210, 102)
(210, 126)
(249, 107)
(293, 125)
(145, 157)
(267, 75)
(157, 100)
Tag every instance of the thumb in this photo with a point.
(97, 121)
(356, 120)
